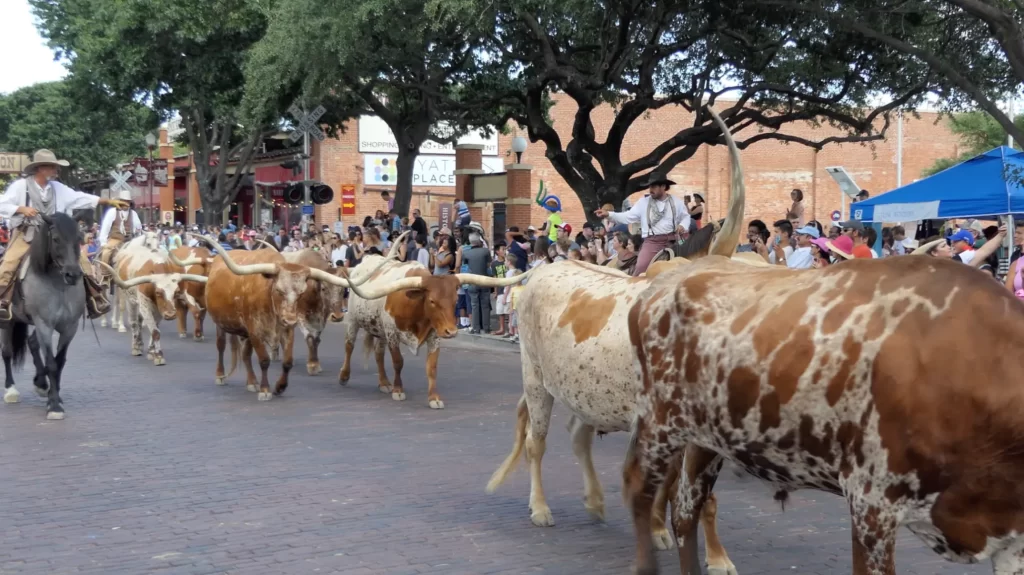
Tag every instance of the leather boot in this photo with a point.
(96, 302)
(6, 313)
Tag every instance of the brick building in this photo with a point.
(771, 169)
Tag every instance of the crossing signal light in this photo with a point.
(321, 194)
(293, 194)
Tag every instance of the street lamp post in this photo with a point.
(150, 144)
(519, 146)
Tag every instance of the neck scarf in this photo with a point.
(654, 216)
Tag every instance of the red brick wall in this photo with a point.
(771, 168)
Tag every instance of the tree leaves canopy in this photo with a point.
(978, 133)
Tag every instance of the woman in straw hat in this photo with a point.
(25, 199)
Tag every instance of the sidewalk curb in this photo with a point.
(489, 341)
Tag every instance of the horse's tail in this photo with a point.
(19, 343)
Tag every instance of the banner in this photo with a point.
(430, 170)
(348, 200)
(376, 137)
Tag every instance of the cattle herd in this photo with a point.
(893, 383)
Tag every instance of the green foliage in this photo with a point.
(978, 133)
(427, 80)
(182, 57)
(91, 131)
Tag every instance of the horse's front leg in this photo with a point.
(11, 394)
(44, 337)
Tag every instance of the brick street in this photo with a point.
(157, 470)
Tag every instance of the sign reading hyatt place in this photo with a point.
(429, 170)
(375, 137)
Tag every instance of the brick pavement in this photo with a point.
(157, 470)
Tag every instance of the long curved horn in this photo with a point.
(269, 245)
(125, 284)
(393, 252)
(379, 291)
(729, 236)
(246, 270)
(192, 278)
(486, 281)
(186, 262)
(321, 275)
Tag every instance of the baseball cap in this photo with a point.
(565, 227)
(808, 231)
(531, 229)
(852, 225)
(962, 236)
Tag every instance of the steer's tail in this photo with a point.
(234, 355)
(509, 465)
(369, 346)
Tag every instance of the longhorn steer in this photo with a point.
(197, 290)
(573, 317)
(255, 295)
(405, 305)
(151, 290)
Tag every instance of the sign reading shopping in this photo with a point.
(429, 170)
(376, 137)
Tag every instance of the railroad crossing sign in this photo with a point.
(307, 123)
(120, 180)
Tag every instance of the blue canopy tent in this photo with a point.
(986, 186)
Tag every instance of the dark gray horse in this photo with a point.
(53, 301)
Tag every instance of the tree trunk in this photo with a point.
(403, 185)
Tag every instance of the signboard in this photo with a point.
(308, 210)
(903, 212)
(444, 215)
(846, 183)
(120, 181)
(430, 170)
(339, 227)
(307, 123)
(376, 137)
(348, 200)
(141, 170)
(12, 163)
(836, 215)
(168, 218)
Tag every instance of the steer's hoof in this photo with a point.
(121, 329)
(182, 335)
(55, 415)
(251, 387)
(398, 395)
(198, 337)
(159, 360)
(265, 396)
(595, 509)
(343, 377)
(542, 518)
(150, 356)
(728, 569)
(663, 539)
(313, 368)
(136, 352)
(220, 380)
(103, 322)
(436, 404)
(12, 395)
(384, 388)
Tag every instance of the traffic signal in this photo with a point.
(293, 194)
(321, 194)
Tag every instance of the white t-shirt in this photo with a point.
(800, 259)
(423, 256)
(338, 253)
(786, 250)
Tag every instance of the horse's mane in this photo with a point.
(39, 250)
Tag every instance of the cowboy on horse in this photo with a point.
(24, 201)
(119, 226)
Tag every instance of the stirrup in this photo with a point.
(6, 311)
(99, 308)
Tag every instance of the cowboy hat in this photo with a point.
(125, 195)
(655, 180)
(44, 157)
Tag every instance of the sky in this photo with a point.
(28, 59)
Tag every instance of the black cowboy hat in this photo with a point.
(655, 180)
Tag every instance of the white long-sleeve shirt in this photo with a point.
(108, 223)
(68, 199)
(638, 213)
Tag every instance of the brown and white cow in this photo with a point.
(105, 277)
(894, 383)
(201, 259)
(573, 319)
(403, 304)
(256, 295)
(151, 290)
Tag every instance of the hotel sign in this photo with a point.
(11, 163)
